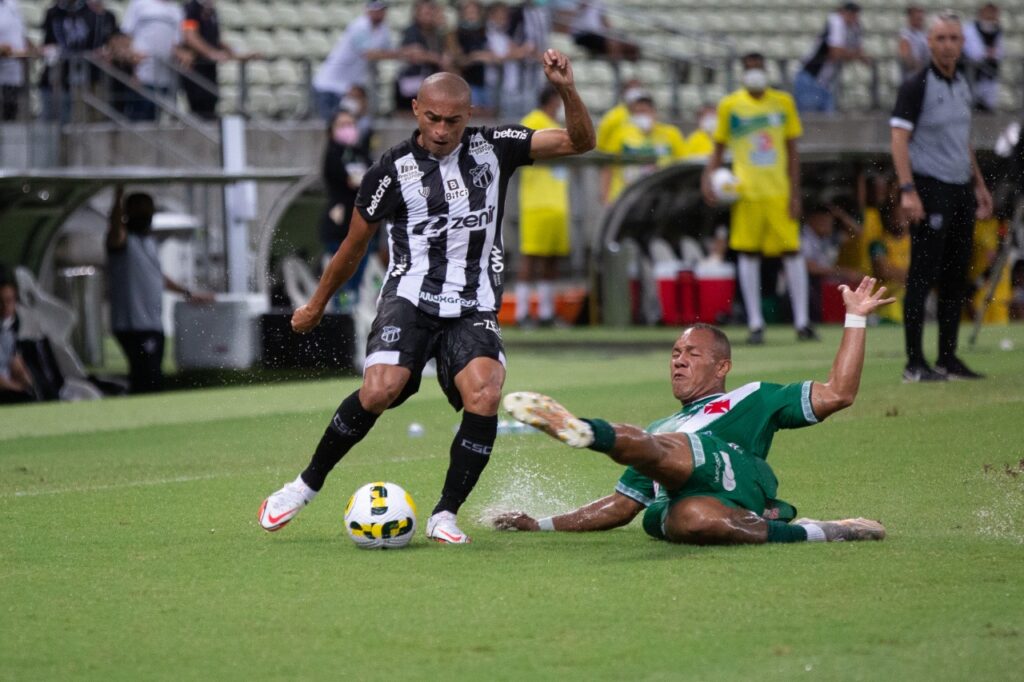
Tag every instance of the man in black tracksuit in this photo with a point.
(942, 193)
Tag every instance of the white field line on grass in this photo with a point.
(177, 479)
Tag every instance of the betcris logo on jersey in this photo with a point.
(511, 134)
(378, 194)
(435, 225)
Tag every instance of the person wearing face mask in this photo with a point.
(617, 115)
(760, 126)
(365, 39)
(642, 135)
(543, 222)
(136, 286)
(15, 379)
(345, 163)
(983, 47)
(699, 143)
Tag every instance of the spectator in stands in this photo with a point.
(68, 33)
(14, 45)
(530, 27)
(156, 30)
(983, 48)
(819, 245)
(543, 222)
(15, 379)
(201, 32)
(123, 59)
(699, 143)
(468, 45)
(592, 31)
(619, 114)
(942, 193)
(423, 50)
(641, 136)
(106, 23)
(505, 77)
(357, 103)
(913, 43)
(840, 42)
(345, 162)
(890, 259)
(136, 286)
(761, 127)
(366, 39)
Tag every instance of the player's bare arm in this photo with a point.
(606, 513)
(909, 200)
(578, 135)
(342, 266)
(844, 379)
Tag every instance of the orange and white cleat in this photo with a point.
(848, 530)
(546, 414)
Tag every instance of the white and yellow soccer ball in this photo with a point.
(725, 186)
(380, 514)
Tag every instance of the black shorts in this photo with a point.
(405, 336)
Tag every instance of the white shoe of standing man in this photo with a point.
(441, 528)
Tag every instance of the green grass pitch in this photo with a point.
(131, 550)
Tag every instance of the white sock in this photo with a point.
(814, 532)
(796, 282)
(307, 492)
(546, 294)
(750, 288)
(522, 301)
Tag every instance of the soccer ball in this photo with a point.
(380, 515)
(725, 185)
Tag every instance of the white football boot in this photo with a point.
(282, 506)
(544, 413)
(848, 530)
(441, 528)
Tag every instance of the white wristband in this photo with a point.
(856, 321)
(547, 523)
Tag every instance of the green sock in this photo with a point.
(784, 532)
(604, 435)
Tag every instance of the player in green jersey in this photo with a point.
(701, 473)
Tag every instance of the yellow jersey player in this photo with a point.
(543, 222)
(641, 136)
(760, 126)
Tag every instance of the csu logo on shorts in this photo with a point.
(390, 334)
(482, 175)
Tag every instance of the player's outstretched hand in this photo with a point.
(864, 300)
(515, 520)
(306, 318)
(557, 68)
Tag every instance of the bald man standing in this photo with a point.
(440, 195)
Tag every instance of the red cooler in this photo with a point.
(666, 276)
(687, 284)
(716, 287)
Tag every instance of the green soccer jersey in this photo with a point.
(748, 416)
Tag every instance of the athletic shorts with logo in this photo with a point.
(721, 470)
(405, 336)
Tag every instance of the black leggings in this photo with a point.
(940, 252)
(145, 353)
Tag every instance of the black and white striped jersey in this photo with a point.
(443, 218)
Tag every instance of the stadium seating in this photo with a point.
(782, 29)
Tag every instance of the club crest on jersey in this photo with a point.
(453, 191)
(717, 407)
(390, 334)
(482, 175)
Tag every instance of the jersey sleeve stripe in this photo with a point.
(805, 403)
(634, 494)
(897, 122)
(698, 450)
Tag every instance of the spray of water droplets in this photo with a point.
(523, 485)
(1003, 515)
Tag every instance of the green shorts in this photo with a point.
(727, 473)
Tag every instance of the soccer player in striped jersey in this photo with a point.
(440, 197)
(701, 473)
